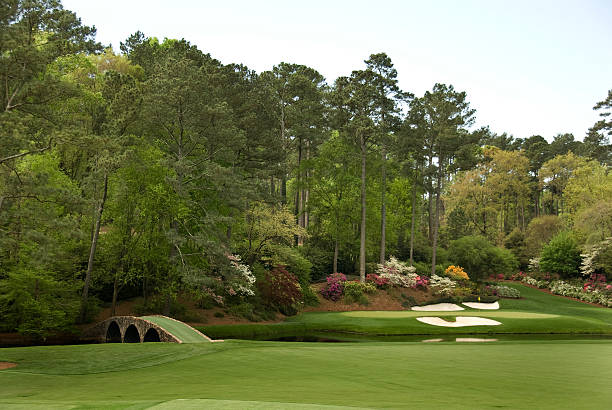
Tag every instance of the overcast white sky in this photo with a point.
(528, 67)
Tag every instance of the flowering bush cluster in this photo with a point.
(442, 286)
(534, 282)
(241, 278)
(503, 291)
(335, 286)
(393, 266)
(376, 280)
(456, 272)
(402, 281)
(562, 288)
(594, 290)
(590, 257)
(596, 282)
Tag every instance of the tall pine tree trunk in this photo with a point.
(92, 251)
(362, 239)
(412, 224)
(436, 225)
(383, 208)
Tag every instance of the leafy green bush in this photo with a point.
(293, 261)
(480, 258)
(561, 255)
(506, 292)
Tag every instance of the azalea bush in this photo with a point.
(442, 286)
(506, 292)
(456, 272)
(334, 288)
(535, 282)
(378, 281)
(402, 281)
(394, 266)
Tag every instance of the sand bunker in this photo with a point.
(460, 322)
(476, 305)
(7, 365)
(439, 307)
(432, 340)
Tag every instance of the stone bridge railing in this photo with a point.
(128, 329)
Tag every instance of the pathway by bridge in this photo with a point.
(132, 329)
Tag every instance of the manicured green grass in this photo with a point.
(535, 313)
(179, 329)
(248, 374)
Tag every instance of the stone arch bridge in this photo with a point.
(132, 329)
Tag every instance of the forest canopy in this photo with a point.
(157, 170)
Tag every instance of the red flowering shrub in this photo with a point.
(280, 288)
(376, 280)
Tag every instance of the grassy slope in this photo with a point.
(556, 315)
(179, 329)
(392, 375)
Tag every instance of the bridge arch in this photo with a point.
(131, 335)
(113, 333)
(152, 335)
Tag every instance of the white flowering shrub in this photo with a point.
(442, 286)
(404, 281)
(507, 292)
(589, 257)
(393, 266)
(534, 265)
(534, 282)
(562, 288)
(242, 281)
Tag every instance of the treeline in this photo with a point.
(160, 171)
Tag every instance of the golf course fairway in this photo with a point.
(370, 375)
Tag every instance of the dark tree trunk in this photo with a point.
(383, 208)
(362, 240)
(92, 252)
(436, 226)
(414, 194)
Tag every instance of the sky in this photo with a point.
(532, 67)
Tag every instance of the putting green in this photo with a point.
(410, 314)
(183, 331)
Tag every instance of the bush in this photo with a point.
(561, 256)
(335, 287)
(442, 286)
(280, 289)
(506, 292)
(479, 257)
(456, 272)
(376, 280)
(292, 260)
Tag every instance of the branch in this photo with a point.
(23, 154)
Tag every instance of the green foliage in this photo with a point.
(539, 232)
(515, 243)
(561, 255)
(292, 259)
(37, 304)
(480, 258)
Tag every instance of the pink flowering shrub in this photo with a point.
(335, 287)
(422, 282)
(377, 280)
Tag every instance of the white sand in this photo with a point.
(488, 306)
(440, 307)
(432, 340)
(460, 322)
(474, 339)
